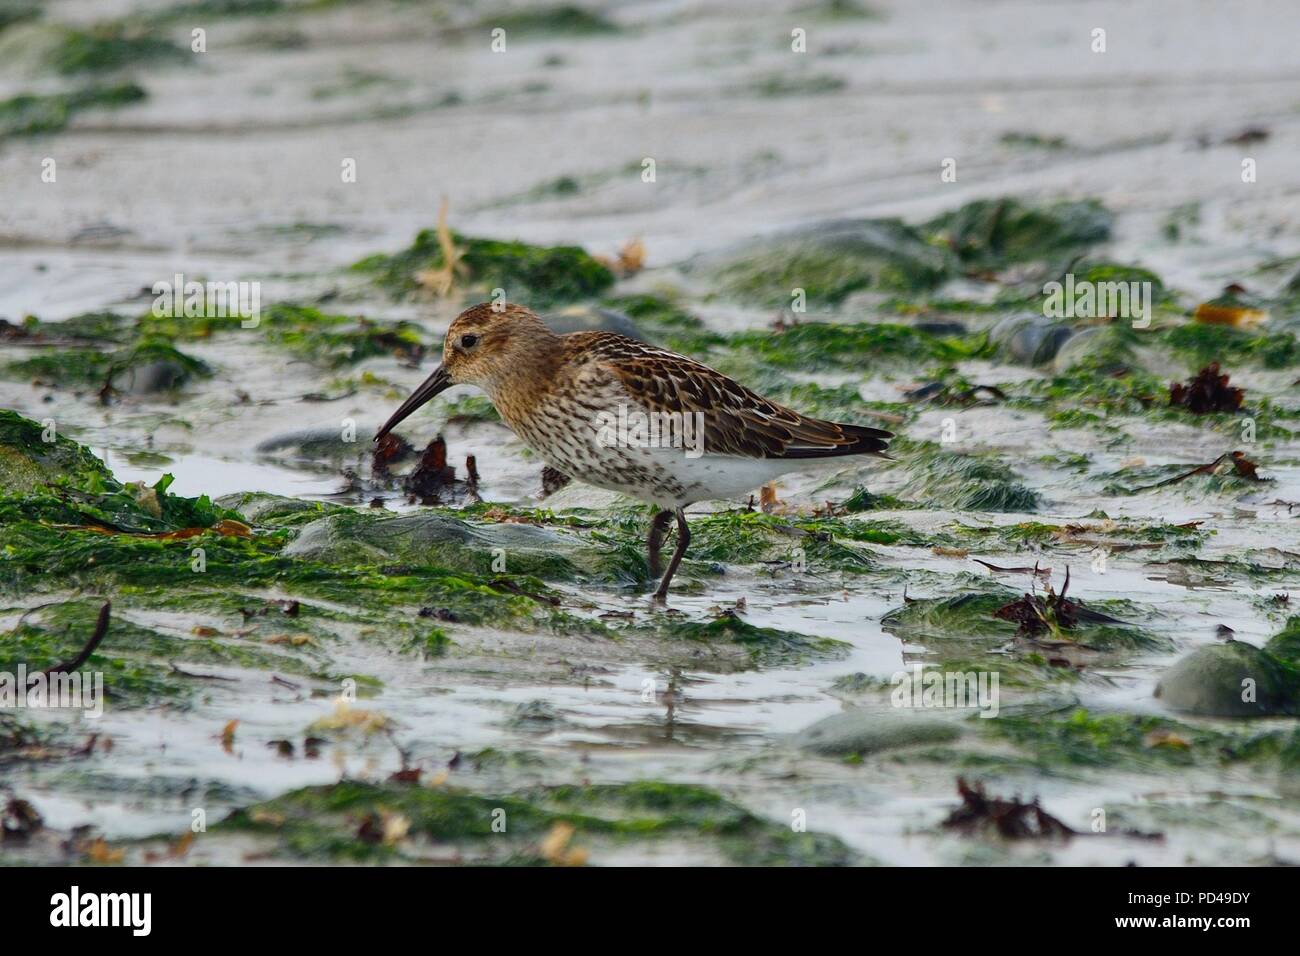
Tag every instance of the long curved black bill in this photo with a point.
(439, 381)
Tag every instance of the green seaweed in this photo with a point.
(76, 367)
(767, 646)
(1285, 645)
(33, 455)
(207, 9)
(830, 263)
(562, 19)
(541, 276)
(823, 345)
(29, 114)
(1200, 343)
(326, 339)
(655, 313)
(108, 47)
(809, 84)
(993, 232)
(1136, 741)
(138, 662)
(964, 482)
(327, 822)
(968, 621)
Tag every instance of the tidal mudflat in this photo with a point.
(323, 651)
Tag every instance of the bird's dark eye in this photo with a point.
(468, 341)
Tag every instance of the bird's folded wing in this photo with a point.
(737, 421)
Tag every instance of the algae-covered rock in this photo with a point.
(149, 366)
(46, 479)
(861, 732)
(353, 820)
(108, 47)
(29, 114)
(1083, 348)
(967, 483)
(1200, 343)
(325, 444)
(829, 261)
(993, 232)
(264, 508)
(34, 455)
(351, 537)
(155, 366)
(1231, 680)
(546, 20)
(767, 646)
(538, 275)
(1285, 645)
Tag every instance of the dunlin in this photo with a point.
(624, 415)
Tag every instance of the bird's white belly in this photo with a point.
(665, 476)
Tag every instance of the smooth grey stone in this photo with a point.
(313, 444)
(1030, 339)
(860, 732)
(151, 377)
(1210, 681)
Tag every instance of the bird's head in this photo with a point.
(486, 345)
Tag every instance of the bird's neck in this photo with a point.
(522, 384)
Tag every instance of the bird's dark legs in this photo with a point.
(683, 539)
(658, 525)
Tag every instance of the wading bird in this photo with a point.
(620, 414)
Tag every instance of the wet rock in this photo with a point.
(592, 319)
(31, 114)
(538, 716)
(349, 537)
(539, 275)
(151, 377)
(1285, 645)
(313, 445)
(1090, 345)
(862, 732)
(829, 261)
(260, 507)
(33, 456)
(1293, 286)
(149, 366)
(994, 232)
(1030, 339)
(968, 482)
(1231, 680)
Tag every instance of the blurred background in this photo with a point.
(230, 161)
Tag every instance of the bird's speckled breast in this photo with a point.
(563, 425)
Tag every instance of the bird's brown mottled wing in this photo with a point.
(737, 421)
